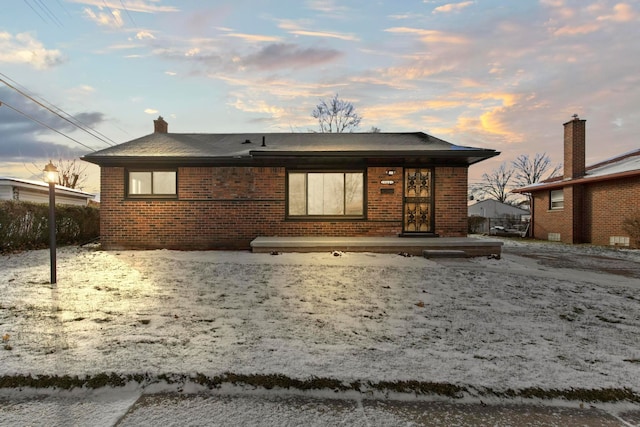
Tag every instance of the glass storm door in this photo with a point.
(418, 201)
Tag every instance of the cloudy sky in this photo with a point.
(497, 74)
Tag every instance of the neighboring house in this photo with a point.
(587, 204)
(26, 190)
(221, 191)
(497, 213)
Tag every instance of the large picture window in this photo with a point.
(556, 199)
(326, 194)
(152, 183)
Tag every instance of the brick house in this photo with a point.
(221, 191)
(587, 204)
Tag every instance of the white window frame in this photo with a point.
(556, 199)
(310, 207)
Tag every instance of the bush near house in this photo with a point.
(632, 226)
(25, 225)
(475, 223)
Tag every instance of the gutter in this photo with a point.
(466, 157)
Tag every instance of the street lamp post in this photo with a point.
(51, 177)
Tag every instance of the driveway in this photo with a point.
(619, 262)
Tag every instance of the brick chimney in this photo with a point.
(160, 126)
(574, 148)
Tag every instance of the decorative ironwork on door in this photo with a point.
(418, 214)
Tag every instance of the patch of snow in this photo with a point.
(501, 324)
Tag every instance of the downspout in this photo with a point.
(531, 211)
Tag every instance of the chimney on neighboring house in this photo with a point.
(160, 126)
(574, 148)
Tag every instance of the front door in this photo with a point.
(418, 201)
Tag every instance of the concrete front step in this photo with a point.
(443, 253)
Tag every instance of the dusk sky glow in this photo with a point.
(486, 73)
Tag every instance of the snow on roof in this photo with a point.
(33, 182)
(624, 163)
(627, 163)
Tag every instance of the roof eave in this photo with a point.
(466, 157)
(576, 181)
(163, 160)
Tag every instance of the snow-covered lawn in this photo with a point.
(500, 324)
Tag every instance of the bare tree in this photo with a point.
(336, 115)
(496, 185)
(529, 171)
(523, 171)
(71, 174)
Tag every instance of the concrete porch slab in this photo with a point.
(411, 245)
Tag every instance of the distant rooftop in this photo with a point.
(623, 165)
(36, 183)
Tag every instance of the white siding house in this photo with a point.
(497, 214)
(26, 190)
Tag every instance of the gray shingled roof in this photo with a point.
(249, 146)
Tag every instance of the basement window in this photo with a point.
(619, 241)
(556, 199)
(156, 183)
(325, 194)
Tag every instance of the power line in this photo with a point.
(44, 124)
(50, 109)
(63, 8)
(128, 14)
(34, 10)
(110, 10)
(46, 12)
(54, 18)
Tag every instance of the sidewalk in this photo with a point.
(305, 411)
(270, 408)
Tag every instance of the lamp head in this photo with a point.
(50, 173)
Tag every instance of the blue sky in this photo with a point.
(495, 74)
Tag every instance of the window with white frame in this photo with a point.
(556, 199)
(337, 194)
(156, 183)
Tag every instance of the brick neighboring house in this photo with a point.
(221, 191)
(587, 204)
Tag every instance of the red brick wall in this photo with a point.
(608, 203)
(227, 207)
(451, 201)
(546, 220)
(604, 207)
(574, 148)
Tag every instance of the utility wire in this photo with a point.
(128, 14)
(46, 9)
(63, 8)
(110, 143)
(109, 9)
(45, 125)
(34, 10)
